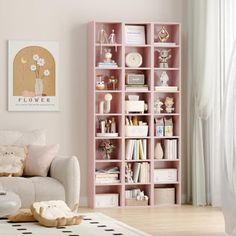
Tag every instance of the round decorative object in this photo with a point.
(9, 203)
(133, 59)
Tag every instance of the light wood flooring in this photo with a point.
(176, 221)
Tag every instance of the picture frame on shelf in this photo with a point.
(33, 82)
(135, 34)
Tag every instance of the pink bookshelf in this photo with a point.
(135, 152)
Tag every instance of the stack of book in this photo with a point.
(170, 149)
(107, 176)
(110, 65)
(141, 172)
(136, 87)
(166, 89)
(136, 149)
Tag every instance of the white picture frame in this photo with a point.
(33, 77)
(135, 34)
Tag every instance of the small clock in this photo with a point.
(133, 59)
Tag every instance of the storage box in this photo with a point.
(134, 106)
(135, 202)
(165, 175)
(136, 131)
(107, 200)
(164, 196)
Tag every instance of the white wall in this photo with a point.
(66, 22)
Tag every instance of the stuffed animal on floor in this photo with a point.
(55, 213)
(12, 160)
(49, 214)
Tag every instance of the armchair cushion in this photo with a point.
(39, 159)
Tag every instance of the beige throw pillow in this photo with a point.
(12, 160)
(39, 159)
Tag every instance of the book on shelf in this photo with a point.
(141, 172)
(136, 149)
(107, 65)
(107, 176)
(170, 149)
(136, 171)
(136, 87)
(165, 44)
(166, 88)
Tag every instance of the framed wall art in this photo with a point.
(33, 76)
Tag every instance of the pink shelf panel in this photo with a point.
(169, 68)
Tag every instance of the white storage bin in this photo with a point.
(136, 131)
(164, 196)
(165, 175)
(107, 200)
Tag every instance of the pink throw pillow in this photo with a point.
(39, 159)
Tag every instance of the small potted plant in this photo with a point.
(107, 147)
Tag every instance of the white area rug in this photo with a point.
(94, 224)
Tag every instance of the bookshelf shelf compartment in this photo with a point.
(132, 117)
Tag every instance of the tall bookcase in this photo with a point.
(100, 84)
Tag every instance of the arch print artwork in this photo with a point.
(33, 77)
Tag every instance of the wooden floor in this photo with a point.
(176, 221)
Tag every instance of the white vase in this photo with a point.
(158, 152)
(38, 87)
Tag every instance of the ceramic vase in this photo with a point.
(38, 87)
(106, 156)
(158, 152)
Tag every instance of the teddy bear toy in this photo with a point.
(169, 102)
(157, 106)
(164, 57)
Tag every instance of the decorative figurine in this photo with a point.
(102, 37)
(128, 173)
(164, 79)
(113, 81)
(105, 105)
(100, 84)
(169, 102)
(164, 57)
(162, 34)
(157, 106)
(112, 37)
(107, 55)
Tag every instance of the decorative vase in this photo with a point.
(158, 152)
(38, 87)
(107, 156)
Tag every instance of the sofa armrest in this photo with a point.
(67, 171)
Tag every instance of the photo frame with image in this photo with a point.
(135, 34)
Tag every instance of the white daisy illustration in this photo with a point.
(41, 62)
(33, 67)
(35, 57)
(46, 73)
